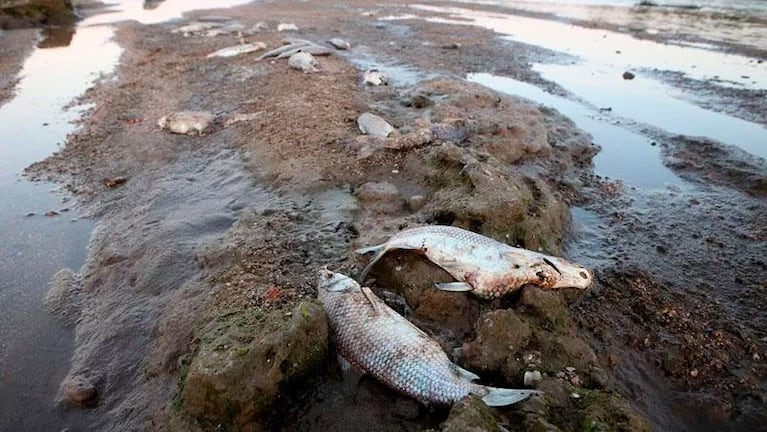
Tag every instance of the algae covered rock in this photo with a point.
(245, 358)
(471, 415)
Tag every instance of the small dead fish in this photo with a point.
(304, 62)
(380, 342)
(488, 268)
(187, 122)
(310, 49)
(375, 77)
(236, 50)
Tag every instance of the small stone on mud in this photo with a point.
(694, 373)
(187, 122)
(51, 213)
(382, 194)
(79, 390)
(30, 214)
(628, 75)
(451, 45)
(532, 377)
(112, 182)
(416, 202)
(371, 124)
(576, 381)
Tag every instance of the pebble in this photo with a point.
(570, 369)
(416, 202)
(576, 381)
(79, 390)
(30, 214)
(628, 75)
(694, 373)
(532, 377)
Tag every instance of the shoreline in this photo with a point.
(295, 171)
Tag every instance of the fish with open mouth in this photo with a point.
(487, 268)
(380, 342)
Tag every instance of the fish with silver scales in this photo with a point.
(380, 342)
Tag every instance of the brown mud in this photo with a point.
(15, 46)
(195, 310)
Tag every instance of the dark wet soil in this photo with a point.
(241, 218)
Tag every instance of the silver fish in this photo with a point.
(488, 268)
(380, 342)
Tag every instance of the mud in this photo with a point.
(15, 46)
(204, 229)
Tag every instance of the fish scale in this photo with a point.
(380, 342)
(484, 266)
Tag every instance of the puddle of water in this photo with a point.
(152, 12)
(625, 155)
(600, 46)
(651, 102)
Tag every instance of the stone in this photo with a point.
(500, 334)
(471, 415)
(371, 124)
(375, 77)
(532, 377)
(416, 202)
(245, 359)
(628, 75)
(281, 27)
(80, 390)
(187, 122)
(380, 196)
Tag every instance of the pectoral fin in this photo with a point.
(369, 295)
(454, 286)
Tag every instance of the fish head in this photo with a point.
(330, 282)
(560, 273)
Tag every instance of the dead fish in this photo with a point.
(380, 342)
(304, 62)
(187, 122)
(375, 77)
(310, 49)
(237, 50)
(371, 124)
(488, 268)
(340, 44)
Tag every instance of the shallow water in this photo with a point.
(35, 349)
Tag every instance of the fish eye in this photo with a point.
(584, 274)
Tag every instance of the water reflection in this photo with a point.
(55, 37)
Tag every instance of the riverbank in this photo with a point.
(195, 305)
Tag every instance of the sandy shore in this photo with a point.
(195, 308)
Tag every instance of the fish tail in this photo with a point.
(502, 397)
(379, 251)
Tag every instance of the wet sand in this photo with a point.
(207, 226)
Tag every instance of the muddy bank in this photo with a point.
(202, 268)
(15, 46)
(34, 13)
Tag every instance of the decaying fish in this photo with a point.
(380, 342)
(487, 268)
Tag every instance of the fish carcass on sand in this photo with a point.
(380, 342)
(487, 268)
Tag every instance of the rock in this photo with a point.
(470, 415)
(375, 77)
(380, 196)
(452, 130)
(281, 27)
(410, 140)
(500, 334)
(29, 13)
(236, 50)
(51, 213)
(419, 102)
(548, 308)
(80, 390)
(245, 360)
(416, 202)
(628, 75)
(532, 377)
(371, 124)
(340, 44)
(303, 61)
(187, 122)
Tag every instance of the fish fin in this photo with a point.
(379, 250)
(454, 286)
(503, 397)
(369, 295)
(469, 375)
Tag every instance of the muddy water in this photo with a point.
(35, 349)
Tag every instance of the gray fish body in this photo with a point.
(491, 268)
(381, 343)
